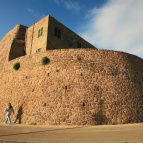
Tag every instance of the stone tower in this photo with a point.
(46, 34)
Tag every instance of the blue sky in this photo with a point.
(107, 24)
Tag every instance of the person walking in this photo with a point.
(8, 111)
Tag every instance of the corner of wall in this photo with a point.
(17, 48)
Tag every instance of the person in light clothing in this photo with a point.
(8, 111)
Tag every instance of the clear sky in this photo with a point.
(107, 24)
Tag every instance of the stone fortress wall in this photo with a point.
(77, 87)
(82, 86)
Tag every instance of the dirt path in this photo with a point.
(129, 133)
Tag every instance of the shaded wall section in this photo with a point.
(17, 48)
(13, 44)
(77, 87)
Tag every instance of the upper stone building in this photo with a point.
(49, 34)
(46, 34)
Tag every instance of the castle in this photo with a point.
(81, 85)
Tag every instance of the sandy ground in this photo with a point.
(18, 133)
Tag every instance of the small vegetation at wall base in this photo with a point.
(45, 60)
(16, 66)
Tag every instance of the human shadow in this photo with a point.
(19, 115)
(100, 119)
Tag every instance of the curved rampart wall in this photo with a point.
(77, 87)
